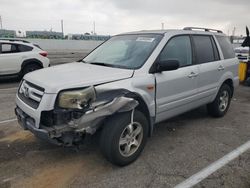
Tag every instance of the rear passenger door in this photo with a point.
(210, 66)
(230, 62)
(176, 90)
(10, 59)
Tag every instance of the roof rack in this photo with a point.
(200, 28)
(15, 39)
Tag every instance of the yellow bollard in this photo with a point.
(242, 71)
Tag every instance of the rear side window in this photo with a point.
(178, 48)
(24, 48)
(205, 49)
(226, 47)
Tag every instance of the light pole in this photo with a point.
(1, 22)
(162, 26)
(62, 28)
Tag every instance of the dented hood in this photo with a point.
(73, 75)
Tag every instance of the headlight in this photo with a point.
(77, 99)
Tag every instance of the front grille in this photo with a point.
(30, 94)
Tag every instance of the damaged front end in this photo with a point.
(82, 112)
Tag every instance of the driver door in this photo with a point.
(176, 90)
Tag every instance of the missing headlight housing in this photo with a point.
(77, 99)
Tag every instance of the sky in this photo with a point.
(117, 16)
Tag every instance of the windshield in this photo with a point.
(125, 51)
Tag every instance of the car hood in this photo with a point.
(73, 75)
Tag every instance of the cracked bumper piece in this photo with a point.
(91, 118)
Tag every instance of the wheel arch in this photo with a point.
(144, 109)
(229, 82)
(31, 61)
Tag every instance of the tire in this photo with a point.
(29, 68)
(113, 142)
(219, 107)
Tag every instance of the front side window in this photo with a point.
(125, 51)
(8, 48)
(178, 48)
(204, 49)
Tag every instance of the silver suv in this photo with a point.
(127, 85)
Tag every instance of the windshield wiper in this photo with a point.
(102, 64)
(107, 65)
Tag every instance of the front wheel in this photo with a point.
(219, 107)
(123, 140)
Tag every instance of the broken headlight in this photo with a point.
(77, 99)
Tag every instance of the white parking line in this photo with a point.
(203, 174)
(8, 120)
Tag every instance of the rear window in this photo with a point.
(36, 45)
(205, 49)
(24, 48)
(226, 47)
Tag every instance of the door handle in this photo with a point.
(220, 68)
(192, 74)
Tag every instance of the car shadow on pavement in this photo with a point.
(9, 80)
(19, 148)
(181, 120)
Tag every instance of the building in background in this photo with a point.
(237, 40)
(7, 33)
(44, 34)
(87, 36)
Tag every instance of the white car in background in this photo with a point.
(242, 53)
(19, 57)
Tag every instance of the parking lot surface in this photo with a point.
(179, 148)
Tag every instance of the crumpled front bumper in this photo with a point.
(73, 131)
(28, 123)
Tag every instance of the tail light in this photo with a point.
(44, 54)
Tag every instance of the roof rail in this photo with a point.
(205, 29)
(15, 39)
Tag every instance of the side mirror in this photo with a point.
(168, 65)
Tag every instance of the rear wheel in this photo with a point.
(123, 140)
(219, 107)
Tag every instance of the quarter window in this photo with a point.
(178, 48)
(226, 47)
(205, 49)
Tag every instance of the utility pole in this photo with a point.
(62, 28)
(94, 28)
(1, 22)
